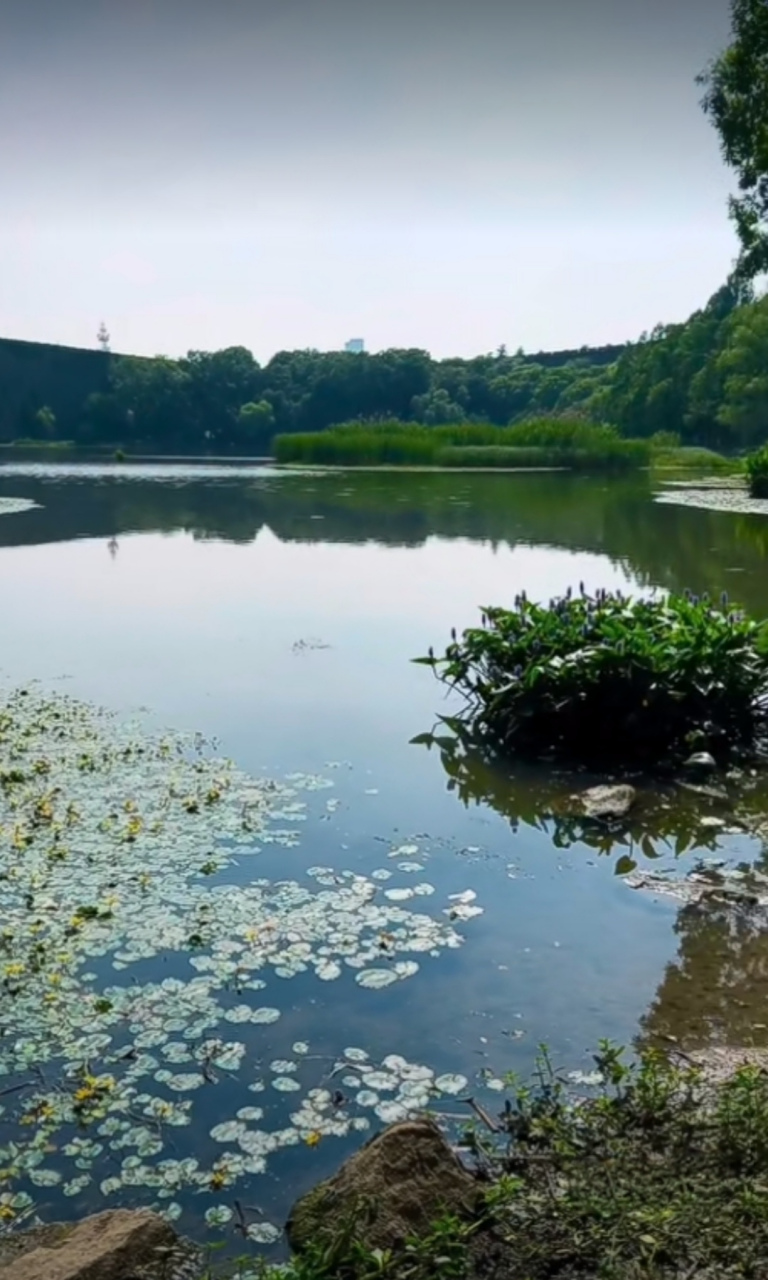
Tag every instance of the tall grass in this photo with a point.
(757, 473)
(539, 442)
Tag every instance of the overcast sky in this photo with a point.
(447, 174)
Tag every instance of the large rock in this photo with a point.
(118, 1245)
(393, 1187)
(607, 803)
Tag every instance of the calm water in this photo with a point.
(278, 614)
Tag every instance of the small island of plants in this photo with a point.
(537, 442)
(606, 677)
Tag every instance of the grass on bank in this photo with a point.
(539, 442)
(657, 1174)
(44, 446)
(695, 458)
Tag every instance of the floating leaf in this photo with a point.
(263, 1233)
(452, 1084)
(375, 978)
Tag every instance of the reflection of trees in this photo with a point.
(659, 544)
(715, 991)
(665, 820)
(717, 987)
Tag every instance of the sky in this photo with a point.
(282, 174)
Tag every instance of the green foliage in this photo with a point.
(736, 99)
(757, 473)
(694, 458)
(609, 677)
(45, 421)
(657, 1174)
(643, 1170)
(702, 382)
(541, 442)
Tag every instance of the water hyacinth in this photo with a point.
(607, 677)
(108, 838)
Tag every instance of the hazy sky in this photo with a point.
(447, 174)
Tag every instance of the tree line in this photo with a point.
(705, 380)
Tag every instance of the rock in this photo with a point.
(719, 1063)
(121, 1244)
(393, 1187)
(718, 794)
(607, 802)
(700, 761)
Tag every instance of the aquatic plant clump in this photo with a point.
(757, 473)
(606, 677)
(138, 977)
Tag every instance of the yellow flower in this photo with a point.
(14, 970)
(312, 1139)
(6, 1212)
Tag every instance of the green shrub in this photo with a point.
(694, 458)
(610, 678)
(757, 473)
(561, 433)
(664, 440)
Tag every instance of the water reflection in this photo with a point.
(715, 991)
(666, 820)
(216, 637)
(661, 545)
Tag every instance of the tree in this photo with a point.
(744, 367)
(45, 419)
(736, 99)
(256, 422)
(436, 409)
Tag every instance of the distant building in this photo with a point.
(355, 344)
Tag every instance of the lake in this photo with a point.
(278, 614)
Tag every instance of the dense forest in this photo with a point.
(705, 379)
(224, 401)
